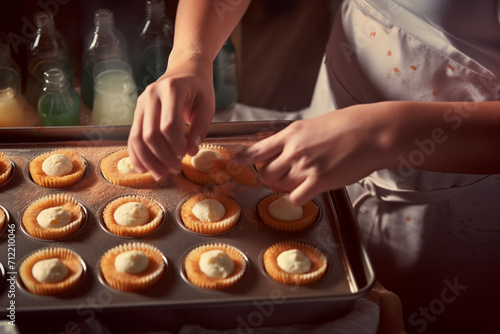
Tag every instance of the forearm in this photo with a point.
(460, 137)
(202, 27)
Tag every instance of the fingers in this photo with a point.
(151, 147)
(305, 191)
(276, 175)
(200, 117)
(262, 151)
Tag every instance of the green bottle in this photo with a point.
(153, 45)
(58, 104)
(225, 84)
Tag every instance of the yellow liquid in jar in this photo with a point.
(11, 109)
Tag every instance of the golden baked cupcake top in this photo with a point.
(295, 263)
(117, 169)
(132, 267)
(276, 212)
(214, 266)
(211, 214)
(132, 216)
(53, 217)
(5, 168)
(57, 169)
(208, 166)
(51, 271)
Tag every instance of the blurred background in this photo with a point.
(279, 43)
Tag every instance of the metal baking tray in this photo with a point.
(255, 301)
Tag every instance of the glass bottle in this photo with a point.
(225, 84)
(58, 103)
(6, 59)
(47, 50)
(105, 41)
(11, 101)
(153, 45)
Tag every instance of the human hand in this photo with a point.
(315, 155)
(157, 138)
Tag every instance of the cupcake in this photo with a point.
(132, 267)
(214, 266)
(276, 212)
(117, 169)
(208, 166)
(3, 219)
(294, 263)
(53, 217)
(210, 213)
(132, 216)
(243, 174)
(5, 168)
(57, 169)
(51, 271)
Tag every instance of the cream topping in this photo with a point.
(57, 165)
(294, 261)
(204, 160)
(282, 209)
(53, 217)
(125, 166)
(216, 264)
(131, 214)
(49, 271)
(209, 210)
(131, 262)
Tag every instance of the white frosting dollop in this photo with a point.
(131, 262)
(204, 160)
(131, 214)
(294, 261)
(53, 217)
(49, 271)
(282, 209)
(125, 166)
(216, 264)
(57, 165)
(209, 210)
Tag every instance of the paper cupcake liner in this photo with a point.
(39, 177)
(194, 274)
(68, 202)
(71, 260)
(230, 219)
(318, 261)
(3, 219)
(309, 217)
(5, 168)
(219, 175)
(155, 215)
(133, 282)
(109, 170)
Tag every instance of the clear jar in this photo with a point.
(115, 93)
(12, 112)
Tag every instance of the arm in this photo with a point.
(185, 91)
(339, 148)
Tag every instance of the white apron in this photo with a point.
(434, 238)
